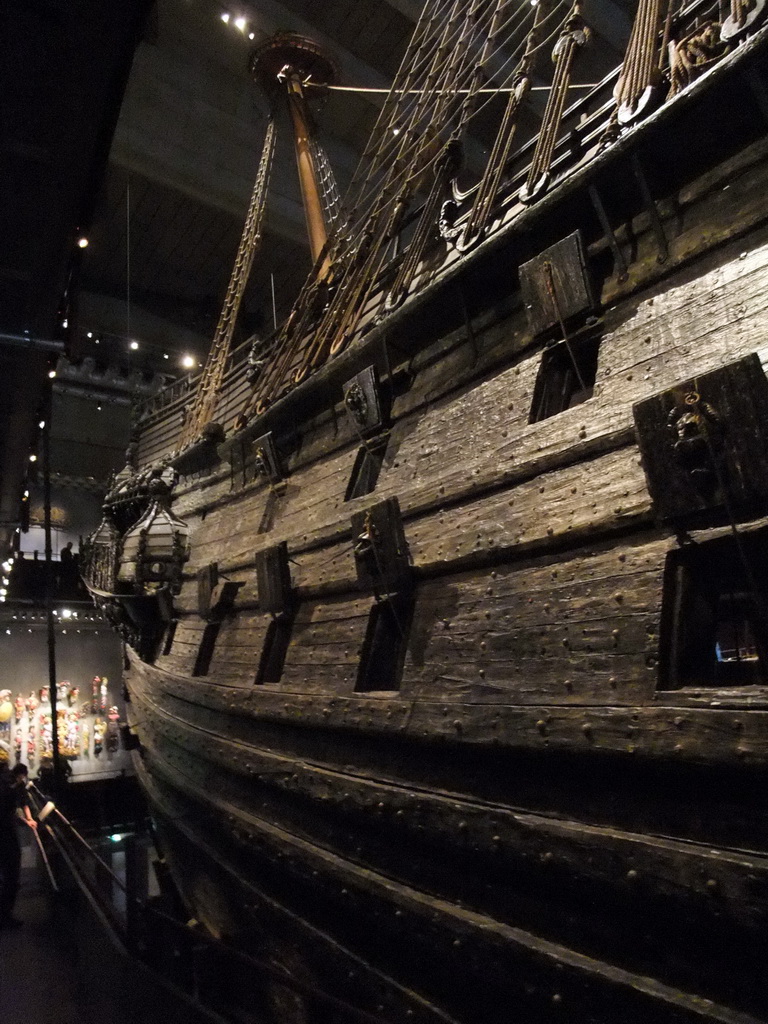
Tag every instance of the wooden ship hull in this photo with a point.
(506, 769)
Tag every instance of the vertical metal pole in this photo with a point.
(50, 586)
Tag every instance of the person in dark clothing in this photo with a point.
(14, 809)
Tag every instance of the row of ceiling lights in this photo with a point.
(30, 630)
(186, 361)
(237, 21)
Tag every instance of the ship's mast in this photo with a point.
(282, 65)
(285, 64)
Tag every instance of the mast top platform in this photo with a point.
(286, 54)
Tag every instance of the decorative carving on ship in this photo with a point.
(134, 576)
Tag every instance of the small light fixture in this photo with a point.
(33, 458)
(89, 334)
(188, 362)
(251, 35)
(65, 323)
(82, 242)
(134, 345)
(98, 408)
(51, 374)
(26, 494)
(225, 17)
(165, 355)
(66, 613)
(41, 424)
(241, 23)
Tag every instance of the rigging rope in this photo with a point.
(488, 188)
(574, 36)
(434, 95)
(640, 74)
(213, 373)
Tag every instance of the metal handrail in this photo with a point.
(151, 915)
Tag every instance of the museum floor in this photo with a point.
(41, 981)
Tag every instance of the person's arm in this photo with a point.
(23, 812)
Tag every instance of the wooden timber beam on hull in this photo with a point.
(498, 965)
(425, 767)
(356, 979)
(576, 883)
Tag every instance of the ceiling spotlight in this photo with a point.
(165, 355)
(241, 23)
(251, 35)
(98, 408)
(51, 374)
(33, 458)
(225, 17)
(188, 362)
(82, 243)
(395, 131)
(65, 323)
(66, 613)
(89, 334)
(26, 494)
(41, 424)
(134, 345)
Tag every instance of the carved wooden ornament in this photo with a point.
(381, 551)
(704, 443)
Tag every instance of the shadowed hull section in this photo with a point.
(423, 883)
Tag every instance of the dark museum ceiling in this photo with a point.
(163, 211)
